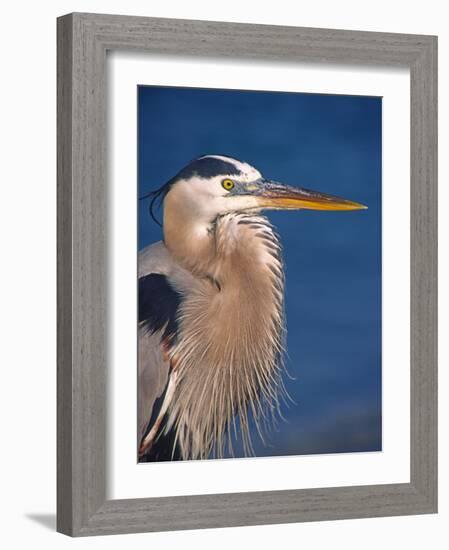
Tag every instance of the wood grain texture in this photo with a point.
(64, 276)
(83, 40)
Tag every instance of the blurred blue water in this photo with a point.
(333, 260)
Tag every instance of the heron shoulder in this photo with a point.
(156, 258)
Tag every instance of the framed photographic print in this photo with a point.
(247, 274)
(244, 229)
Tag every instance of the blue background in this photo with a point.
(333, 260)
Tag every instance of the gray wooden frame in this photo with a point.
(83, 40)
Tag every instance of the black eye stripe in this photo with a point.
(208, 167)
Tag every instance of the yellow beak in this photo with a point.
(277, 196)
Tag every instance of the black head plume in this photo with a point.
(156, 198)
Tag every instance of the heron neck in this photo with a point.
(188, 237)
(230, 249)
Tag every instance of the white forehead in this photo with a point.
(247, 172)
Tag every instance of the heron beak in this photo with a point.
(277, 196)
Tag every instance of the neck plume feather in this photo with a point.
(228, 357)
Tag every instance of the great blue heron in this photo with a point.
(211, 308)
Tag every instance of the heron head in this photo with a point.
(215, 185)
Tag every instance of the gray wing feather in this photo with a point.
(153, 370)
(152, 377)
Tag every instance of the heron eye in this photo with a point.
(227, 184)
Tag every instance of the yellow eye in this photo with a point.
(227, 184)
